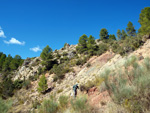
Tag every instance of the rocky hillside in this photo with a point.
(94, 67)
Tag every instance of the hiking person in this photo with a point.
(75, 87)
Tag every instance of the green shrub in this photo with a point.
(18, 84)
(66, 70)
(65, 45)
(58, 55)
(81, 61)
(88, 65)
(5, 105)
(60, 71)
(48, 64)
(80, 105)
(90, 84)
(63, 102)
(130, 61)
(121, 51)
(48, 106)
(130, 86)
(43, 69)
(7, 88)
(126, 46)
(102, 48)
(34, 78)
(55, 78)
(27, 84)
(115, 46)
(40, 71)
(59, 90)
(96, 82)
(78, 62)
(36, 104)
(65, 53)
(64, 59)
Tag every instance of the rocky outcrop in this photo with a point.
(70, 49)
(29, 68)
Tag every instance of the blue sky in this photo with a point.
(27, 26)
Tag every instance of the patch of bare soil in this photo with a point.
(98, 99)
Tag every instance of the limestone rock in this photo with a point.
(29, 68)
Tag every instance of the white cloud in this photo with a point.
(36, 49)
(14, 41)
(2, 35)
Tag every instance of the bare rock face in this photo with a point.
(69, 49)
(29, 68)
(71, 54)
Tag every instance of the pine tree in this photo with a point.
(2, 60)
(6, 64)
(15, 62)
(82, 45)
(42, 84)
(8, 88)
(91, 45)
(124, 35)
(91, 40)
(1, 54)
(119, 34)
(46, 53)
(47, 58)
(103, 34)
(144, 20)
(13, 65)
(112, 37)
(130, 29)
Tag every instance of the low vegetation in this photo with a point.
(80, 105)
(5, 105)
(48, 106)
(93, 83)
(64, 104)
(60, 70)
(130, 86)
